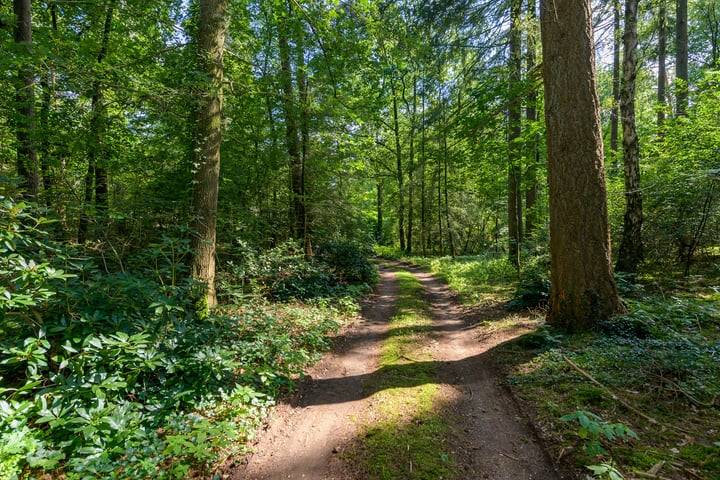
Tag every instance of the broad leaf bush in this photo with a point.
(114, 375)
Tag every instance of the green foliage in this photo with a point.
(115, 375)
(533, 288)
(606, 470)
(593, 431)
(285, 273)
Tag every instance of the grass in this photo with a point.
(405, 434)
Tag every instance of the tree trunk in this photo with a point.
(399, 175)
(27, 160)
(531, 181)
(292, 139)
(615, 78)
(514, 132)
(411, 107)
(379, 222)
(681, 61)
(583, 288)
(303, 85)
(631, 250)
(210, 42)
(662, 74)
(96, 183)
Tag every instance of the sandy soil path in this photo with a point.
(304, 440)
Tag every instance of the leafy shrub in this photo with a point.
(349, 261)
(114, 375)
(533, 288)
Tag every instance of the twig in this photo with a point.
(609, 392)
(692, 399)
(510, 457)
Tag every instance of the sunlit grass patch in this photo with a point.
(405, 432)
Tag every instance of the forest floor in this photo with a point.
(322, 432)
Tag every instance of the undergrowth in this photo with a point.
(655, 371)
(113, 374)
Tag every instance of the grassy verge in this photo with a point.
(405, 434)
(657, 370)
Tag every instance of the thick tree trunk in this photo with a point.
(514, 131)
(631, 249)
(27, 160)
(210, 41)
(583, 288)
(681, 60)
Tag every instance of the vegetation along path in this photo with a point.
(409, 393)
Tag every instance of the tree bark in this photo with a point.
(96, 183)
(27, 159)
(399, 175)
(210, 42)
(292, 139)
(514, 131)
(681, 60)
(662, 74)
(583, 289)
(631, 248)
(614, 130)
(531, 181)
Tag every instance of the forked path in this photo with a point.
(306, 440)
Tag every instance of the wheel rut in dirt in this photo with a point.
(306, 439)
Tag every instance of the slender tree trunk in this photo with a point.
(411, 108)
(27, 160)
(379, 222)
(48, 99)
(681, 61)
(292, 139)
(96, 175)
(210, 41)
(303, 85)
(614, 130)
(445, 158)
(423, 203)
(662, 75)
(399, 175)
(583, 288)
(514, 132)
(531, 181)
(631, 250)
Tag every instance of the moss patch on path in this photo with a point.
(405, 433)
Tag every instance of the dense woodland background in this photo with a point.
(413, 125)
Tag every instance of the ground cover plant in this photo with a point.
(653, 371)
(118, 375)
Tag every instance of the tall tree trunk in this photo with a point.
(411, 108)
(96, 175)
(303, 85)
(48, 98)
(662, 74)
(210, 42)
(531, 181)
(631, 250)
(292, 139)
(379, 222)
(514, 132)
(27, 160)
(446, 159)
(423, 203)
(583, 288)
(399, 175)
(681, 60)
(615, 78)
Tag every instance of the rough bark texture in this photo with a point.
(681, 60)
(211, 39)
(27, 159)
(631, 249)
(583, 288)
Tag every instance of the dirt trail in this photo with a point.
(304, 440)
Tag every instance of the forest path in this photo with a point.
(305, 440)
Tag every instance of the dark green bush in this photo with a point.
(349, 261)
